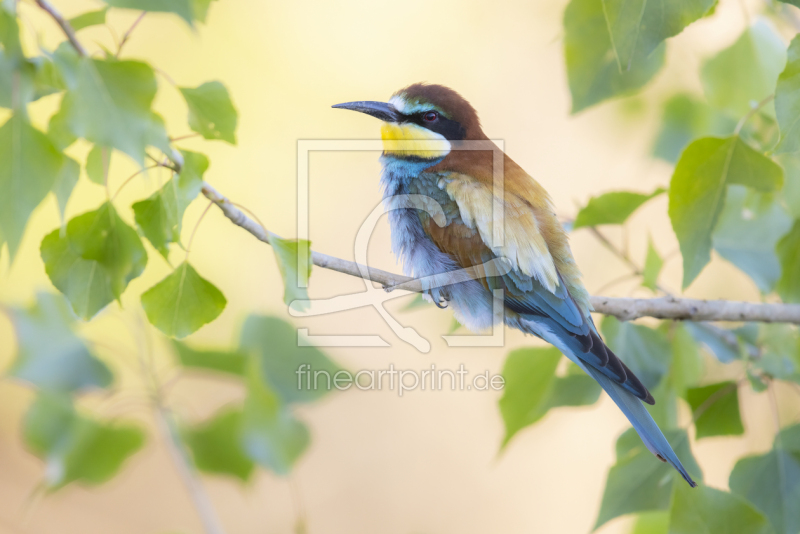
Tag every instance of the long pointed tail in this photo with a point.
(641, 420)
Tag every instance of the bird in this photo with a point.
(427, 132)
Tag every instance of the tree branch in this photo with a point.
(200, 499)
(625, 309)
(65, 26)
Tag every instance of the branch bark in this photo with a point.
(65, 26)
(625, 309)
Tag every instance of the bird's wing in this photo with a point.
(534, 288)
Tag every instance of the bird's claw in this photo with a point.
(439, 295)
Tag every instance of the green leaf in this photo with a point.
(711, 511)
(646, 351)
(23, 80)
(108, 103)
(638, 481)
(290, 254)
(592, 69)
(65, 182)
(748, 333)
(651, 523)
(576, 388)
(746, 72)
(98, 163)
(665, 411)
(59, 133)
(182, 302)
(46, 78)
(771, 482)
(77, 448)
(788, 249)
(29, 170)
(638, 27)
(216, 445)
(790, 195)
(787, 100)
(684, 120)
(94, 260)
(9, 29)
(271, 436)
(297, 373)
(201, 9)
(159, 217)
(781, 351)
(50, 355)
(686, 368)
(711, 339)
(698, 187)
(183, 8)
(715, 409)
(529, 375)
(748, 230)
(532, 388)
(17, 76)
(90, 18)
(756, 382)
(211, 111)
(229, 362)
(652, 266)
(611, 208)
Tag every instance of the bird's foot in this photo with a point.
(439, 295)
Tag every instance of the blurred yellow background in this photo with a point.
(427, 462)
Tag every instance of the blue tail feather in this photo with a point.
(631, 406)
(641, 420)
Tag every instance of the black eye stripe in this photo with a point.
(450, 129)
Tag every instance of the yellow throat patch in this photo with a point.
(412, 140)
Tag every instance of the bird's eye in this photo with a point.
(430, 116)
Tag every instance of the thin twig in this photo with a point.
(726, 336)
(65, 26)
(131, 177)
(200, 499)
(752, 111)
(623, 308)
(183, 137)
(625, 277)
(169, 431)
(194, 230)
(127, 34)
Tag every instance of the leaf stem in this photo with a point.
(127, 34)
(194, 230)
(131, 177)
(166, 76)
(618, 280)
(182, 137)
(753, 110)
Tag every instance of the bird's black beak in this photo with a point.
(379, 110)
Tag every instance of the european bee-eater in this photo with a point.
(543, 292)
